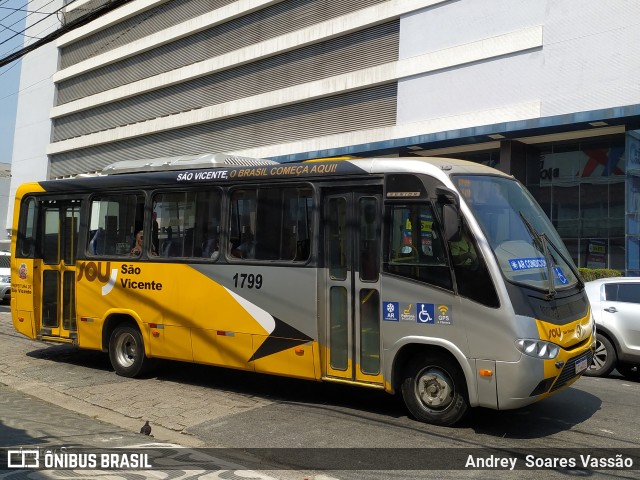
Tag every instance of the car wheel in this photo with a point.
(126, 352)
(604, 358)
(434, 390)
(629, 370)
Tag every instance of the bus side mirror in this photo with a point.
(451, 220)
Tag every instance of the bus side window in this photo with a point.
(269, 224)
(113, 223)
(472, 276)
(415, 248)
(188, 223)
(27, 230)
(369, 263)
(242, 219)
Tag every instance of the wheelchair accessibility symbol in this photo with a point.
(425, 313)
(560, 276)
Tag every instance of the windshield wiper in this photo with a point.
(541, 241)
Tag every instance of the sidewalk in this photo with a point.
(59, 375)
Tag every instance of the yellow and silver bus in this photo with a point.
(437, 278)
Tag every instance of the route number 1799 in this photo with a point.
(247, 280)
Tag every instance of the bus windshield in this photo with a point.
(527, 247)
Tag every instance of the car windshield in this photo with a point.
(527, 247)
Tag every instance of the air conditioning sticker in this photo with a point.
(391, 311)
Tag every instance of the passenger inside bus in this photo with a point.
(211, 248)
(247, 248)
(463, 252)
(137, 246)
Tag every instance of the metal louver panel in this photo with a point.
(168, 14)
(79, 12)
(374, 46)
(364, 109)
(256, 27)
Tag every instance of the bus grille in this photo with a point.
(569, 370)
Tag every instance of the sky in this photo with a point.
(11, 21)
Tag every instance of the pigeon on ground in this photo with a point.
(146, 428)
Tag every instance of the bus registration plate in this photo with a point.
(581, 365)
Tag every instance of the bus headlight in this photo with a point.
(538, 348)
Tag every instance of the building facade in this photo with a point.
(5, 182)
(545, 90)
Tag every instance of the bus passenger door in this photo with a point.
(352, 278)
(60, 221)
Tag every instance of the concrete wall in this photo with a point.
(589, 59)
(5, 180)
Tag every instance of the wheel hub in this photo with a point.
(126, 350)
(434, 389)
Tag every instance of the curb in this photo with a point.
(68, 402)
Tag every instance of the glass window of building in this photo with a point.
(581, 187)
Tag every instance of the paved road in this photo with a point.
(35, 427)
(197, 405)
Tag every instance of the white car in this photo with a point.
(615, 304)
(5, 277)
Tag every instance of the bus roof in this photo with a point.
(229, 169)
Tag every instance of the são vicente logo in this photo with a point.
(103, 273)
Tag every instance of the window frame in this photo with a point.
(141, 225)
(388, 208)
(221, 233)
(311, 221)
(24, 241)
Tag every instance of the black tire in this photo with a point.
(126, 352)
(604, 359)
(627, 370)
(434, 390)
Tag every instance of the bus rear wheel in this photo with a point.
(434, 390)
(126, 352)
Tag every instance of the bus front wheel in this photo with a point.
(126, 352)
(434, 390)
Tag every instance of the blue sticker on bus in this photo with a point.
(527, 263)
(560, 276)
(391, 311)
(425, 313)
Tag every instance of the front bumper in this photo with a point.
(531, 379)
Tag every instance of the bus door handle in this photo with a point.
(611, 309)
